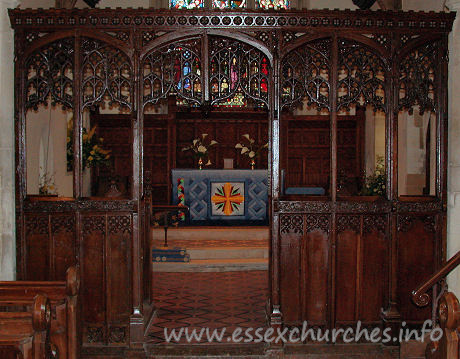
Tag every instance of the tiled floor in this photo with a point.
(213, 300)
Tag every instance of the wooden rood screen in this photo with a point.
(335, 259)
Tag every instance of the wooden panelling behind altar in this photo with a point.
(334, 259)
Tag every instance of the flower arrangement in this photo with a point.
(251, 150)
(46, 185)
(374, 184)
(200, 148)
(93, 152)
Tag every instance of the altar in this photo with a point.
(222, 196)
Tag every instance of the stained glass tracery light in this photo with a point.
(228, 4)
(186, 4)
(272, 4)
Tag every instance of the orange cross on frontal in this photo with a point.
(227, 197)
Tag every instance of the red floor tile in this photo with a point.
(208, 300)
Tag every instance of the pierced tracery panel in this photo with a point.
(417, 78)
(49, 74)
(106, 72)
(361, 77)
(305, 73)
(173, 69)
(237, 70)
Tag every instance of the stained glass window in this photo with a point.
(228, 4)
(272, 4)
(186, 4)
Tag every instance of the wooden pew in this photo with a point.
(63, 297)
(25, 334)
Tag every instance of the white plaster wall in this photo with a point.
(7, 217)
(48, 121)
(423, 5)
(46, 4)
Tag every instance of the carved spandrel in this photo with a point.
(318, 223)
(375, 223)
(405, 222)
(119, 224)
(93, 224)
(37, 225)
(291, 224)
(352, 223)
(63, 224)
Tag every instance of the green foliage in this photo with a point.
(93, 153)
(375, 184)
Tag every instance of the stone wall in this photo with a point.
(7, 235)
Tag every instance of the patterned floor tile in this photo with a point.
(208, 300)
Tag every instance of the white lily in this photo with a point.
(201, 149)
(213, 142)
(244, 150)
(203, 135)
(208, 163)
(252, 154)
(247, 136)
(195, 141)
(238, 145)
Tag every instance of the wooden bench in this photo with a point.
(63, 298)
(25, 334)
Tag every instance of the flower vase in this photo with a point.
(200, 163)
(253, 164)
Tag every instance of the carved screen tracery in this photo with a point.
(173, 69)
(49, 75)
(417, 78)
(106, 71)
(305, 73)
(361, 77)
(237, 69)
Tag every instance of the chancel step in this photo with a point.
(214, 265)
(227, 252)
(212, 233)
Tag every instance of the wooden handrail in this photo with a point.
(420, 295)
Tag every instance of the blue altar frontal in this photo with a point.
(222, 196)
